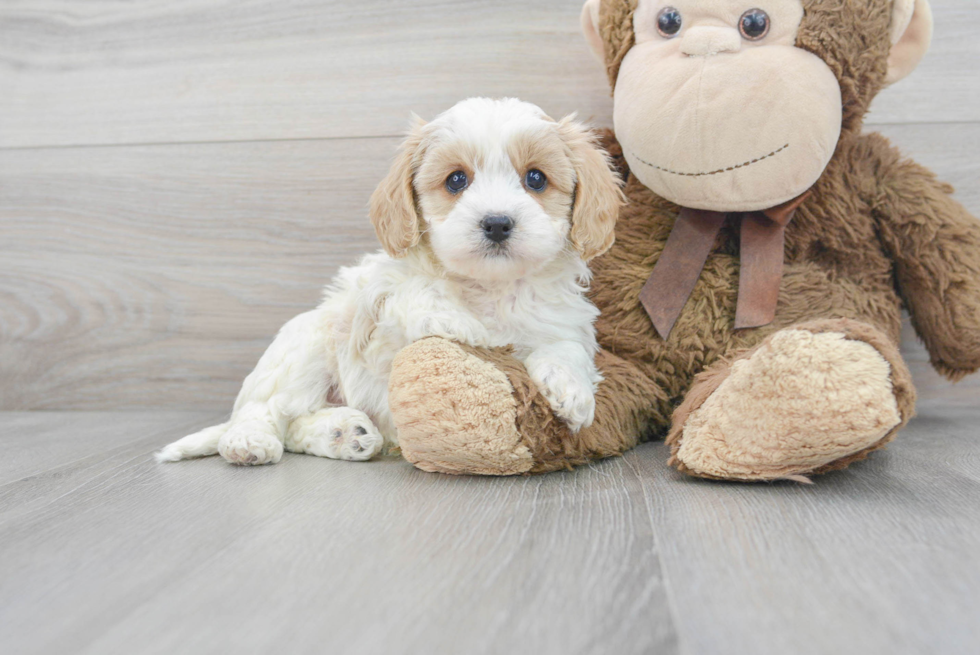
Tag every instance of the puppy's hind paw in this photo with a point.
(337, 433)
(247, 444)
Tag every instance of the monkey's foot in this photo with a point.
(809, 399)
(455, 412)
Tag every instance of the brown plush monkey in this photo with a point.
(739, 132)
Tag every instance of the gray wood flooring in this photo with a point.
(104, 551)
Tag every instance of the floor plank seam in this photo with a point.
(682, 648)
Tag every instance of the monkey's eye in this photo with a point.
(754, 24)
(535, 180)
(456, 182)
(668, 22)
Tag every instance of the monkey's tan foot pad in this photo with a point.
(808, 400)
(455, 411)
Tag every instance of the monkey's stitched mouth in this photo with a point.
(720, 170)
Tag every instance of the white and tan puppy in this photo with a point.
(487, 218)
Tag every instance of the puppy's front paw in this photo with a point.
(250, 444)
(337, 433)
(454, 327)
(570, 398)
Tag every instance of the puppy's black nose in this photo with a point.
(497, 228)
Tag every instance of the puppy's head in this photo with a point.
(496, 190)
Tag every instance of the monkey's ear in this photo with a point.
(393, 209)
(911, 36)
(590, 27)
(598, 196)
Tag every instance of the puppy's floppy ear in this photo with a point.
(598, 196)
(393, 209)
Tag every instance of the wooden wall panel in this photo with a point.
(154, 276)
(140, 275)
(157, 71)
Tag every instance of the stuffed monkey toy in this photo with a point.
(751, 304)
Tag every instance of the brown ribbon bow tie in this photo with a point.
(687, 249)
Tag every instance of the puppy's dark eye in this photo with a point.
(535, 180)
(456, 182)
(754, 24)
(668, 22)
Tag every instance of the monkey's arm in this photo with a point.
(466, 410)
(935, 244)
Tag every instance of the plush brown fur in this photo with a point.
(709, 380)
(439, 423)
(622, 411)
(851, 37)
(878, 233)
(447, 427)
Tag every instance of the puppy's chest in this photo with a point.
(510, 317)
(500, 315)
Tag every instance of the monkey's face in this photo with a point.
(717, 109)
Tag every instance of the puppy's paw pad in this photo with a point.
(357, 441)
(249, 445)
(337, 433)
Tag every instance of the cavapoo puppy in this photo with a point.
(487, 218)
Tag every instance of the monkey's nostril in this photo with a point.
(497, 228)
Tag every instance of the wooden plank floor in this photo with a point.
(104, 551)
(144, 277)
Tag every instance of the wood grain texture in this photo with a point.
(157, 72)
(118, 554)
(108, 552)
(52, 454)
(155, 276)
(37, 445)
(880, 558)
